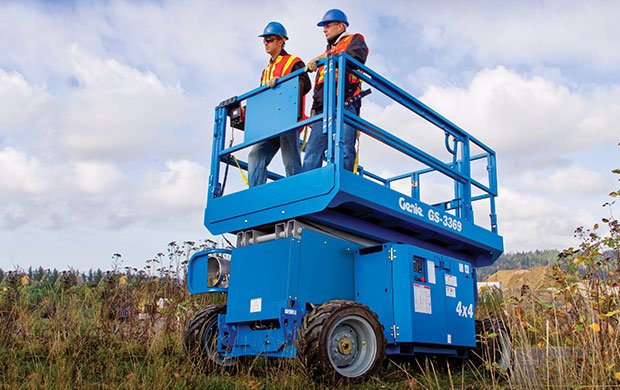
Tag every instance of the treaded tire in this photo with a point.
(494, 343)
(200, 338)
(341, 340)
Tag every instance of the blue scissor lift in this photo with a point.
(335, 267)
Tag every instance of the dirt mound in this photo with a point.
(538, 278)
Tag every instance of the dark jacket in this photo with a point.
(357, 49)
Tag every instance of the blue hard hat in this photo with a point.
(274, 28)
(333, 15)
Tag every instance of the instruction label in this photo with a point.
(256, 305)
(422, 299)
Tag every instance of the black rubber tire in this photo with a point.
(200, 338)
(493, 343)
(341, 339)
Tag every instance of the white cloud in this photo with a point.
(523, 116)
(406, 125)
(95, 178)
(498, 32)
(20, 101)
(529, 121)
(573, 181)
(99, 195)
(21, 174)
(180, 189)
(533, 222)
(426, 76)
(118, 111)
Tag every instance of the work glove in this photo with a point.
(311, 66)
(272, 82)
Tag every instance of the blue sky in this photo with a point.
(107, 110)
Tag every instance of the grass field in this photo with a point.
(127, 332)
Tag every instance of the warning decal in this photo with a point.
(450, 291)
(450, 280)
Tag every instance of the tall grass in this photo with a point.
(119, 334)
(567, 336)
(127, 332)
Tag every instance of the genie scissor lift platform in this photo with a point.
(342, 268)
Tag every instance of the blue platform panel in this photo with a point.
(326, 269)
(259, 283)
(460, 302)
(272, 111)
(281, 200)
(273, 281)
(265, 277)
(374, 287)
(428, 298)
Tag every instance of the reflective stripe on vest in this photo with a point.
(340, 46)
(278, 68)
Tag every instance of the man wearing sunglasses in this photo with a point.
(280, 64)
(334, 25)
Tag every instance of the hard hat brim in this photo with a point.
(324, 22)
(264, 35)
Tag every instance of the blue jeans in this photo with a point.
(317, 145)
(263, 152)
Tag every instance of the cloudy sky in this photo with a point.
(107, 110)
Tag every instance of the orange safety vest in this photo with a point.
(340, 46)
(281, 66)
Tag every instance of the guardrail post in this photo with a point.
(219, 141)
(338, 134)
(465, 208)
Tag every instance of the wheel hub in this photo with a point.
(344, 345)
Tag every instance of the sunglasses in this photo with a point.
(269, 40)
(331, 24)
